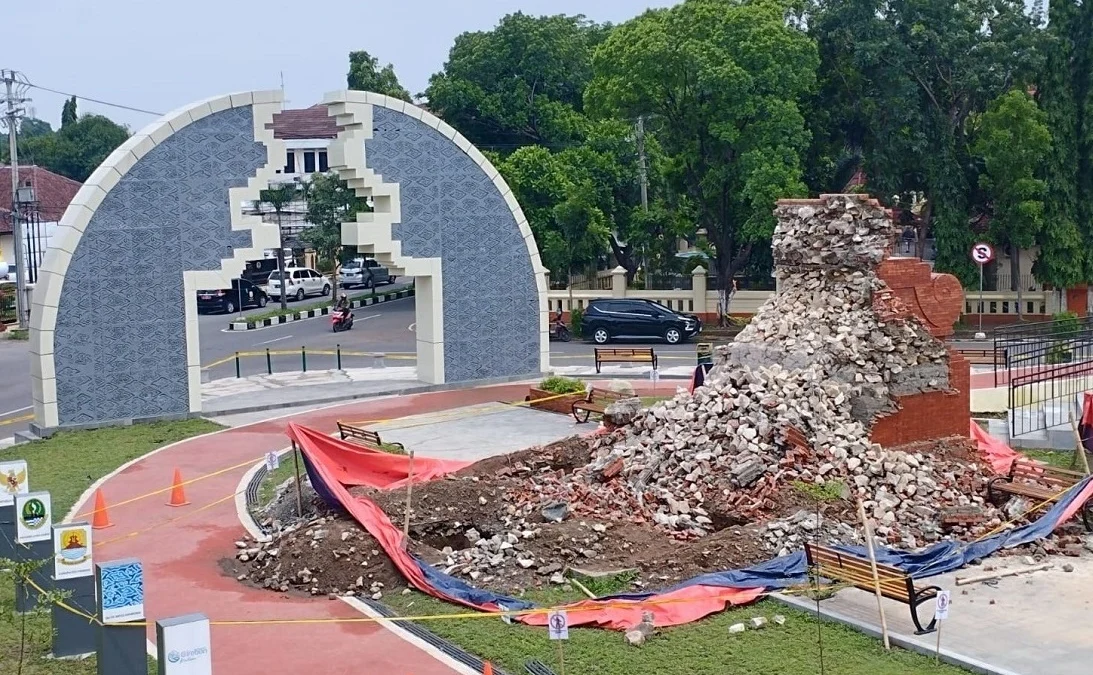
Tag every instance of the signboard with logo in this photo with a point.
(558, 625)
(33, 517)
(13, 481)
(121, 591)
(72, 551)
(184, 646)
(941, 608)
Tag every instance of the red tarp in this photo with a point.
(999, 454)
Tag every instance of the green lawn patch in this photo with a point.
(17, 334)
(648, 401)
(66, 465)
(701, 648)
(1063, 459)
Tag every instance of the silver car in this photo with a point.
(364, 272)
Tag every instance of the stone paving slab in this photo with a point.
(479, 431)
(1032, 624)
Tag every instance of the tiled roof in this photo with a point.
(53, 192)
(306, 124)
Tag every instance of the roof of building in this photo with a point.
(52, 191)
(304, 124)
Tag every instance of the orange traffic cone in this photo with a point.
(487, 669)
(178, 494)
(101, 519)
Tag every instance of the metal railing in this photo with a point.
(271, 361)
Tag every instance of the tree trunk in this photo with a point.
(281, 263)
(625, 258)
(1015, 277)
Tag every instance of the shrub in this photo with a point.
(1065, 325)
(562, 385)
(1059, 354)
(575, 316)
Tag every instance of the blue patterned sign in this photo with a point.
(121, 589)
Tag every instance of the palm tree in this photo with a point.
(278, 196)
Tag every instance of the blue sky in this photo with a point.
(159, 55)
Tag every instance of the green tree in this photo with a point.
(77, 149)
(1013, 141)
(902, 80)
(1061, 88)
(32, 127)
(720, 82)
(277, 197)
(330, 202)
(366, 75)
(521, 83)
(68, 112)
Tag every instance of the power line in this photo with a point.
(94, 100)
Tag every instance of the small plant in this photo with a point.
(562, 385)
(1058, 353)
(830, 491)
(1065, 325)
(576, 314)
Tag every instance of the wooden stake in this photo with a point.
(937, 650)
(409, 496)
(1081, 460)
(1005, 573)
(299, 499)
(561, 656)
(582, 588)
(876, 577)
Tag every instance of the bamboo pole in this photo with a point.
(299, 498)
(409, 496)
(876, 577)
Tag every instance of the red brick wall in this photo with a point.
(935, 414)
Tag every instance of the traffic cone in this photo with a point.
(101, 519)
(487, 669)
(178, 494)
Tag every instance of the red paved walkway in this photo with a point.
(181, 558)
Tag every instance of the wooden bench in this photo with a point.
(894, 583)
(596, 401)
(1042, 482)
(980, 357)
(365, 437)
(635, 355)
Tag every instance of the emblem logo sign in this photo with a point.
(72, 551)
(34, 517)
(13, 481)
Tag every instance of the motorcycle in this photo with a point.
(558, 329)
(341, 321)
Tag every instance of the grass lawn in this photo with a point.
(702, 648)
(1063, 459)
(16, 334)
(52, 466)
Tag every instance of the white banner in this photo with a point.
(186, 646)
(33, 517)
(13, 481)
(72, 551)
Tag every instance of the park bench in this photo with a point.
(894, 583)
(367, 438)
(634, 355)
(980, 357)
(596, 401)
(1042, 482)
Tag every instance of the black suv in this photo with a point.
(606, 320)
(241, 295)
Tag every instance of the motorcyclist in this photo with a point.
(342, 308)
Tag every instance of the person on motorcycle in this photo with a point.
(342, 307)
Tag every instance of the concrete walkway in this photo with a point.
(181, 547)
(1033, 624)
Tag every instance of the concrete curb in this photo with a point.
(396, 391)
(903, 641)
(324, 311)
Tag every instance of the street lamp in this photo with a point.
(23, 199)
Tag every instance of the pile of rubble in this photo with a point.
(820, 360)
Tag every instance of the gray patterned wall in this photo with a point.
(452, 210)
(120, 340)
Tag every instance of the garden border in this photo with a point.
(323, 311)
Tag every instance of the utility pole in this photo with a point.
(12, 114)
(643, 178)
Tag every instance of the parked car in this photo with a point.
(301, 282)
(634, 319)
(364, 272)
(242, 295)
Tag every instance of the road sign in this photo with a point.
(941, 609)
(273, 461)
(982, 253)
(558, 623)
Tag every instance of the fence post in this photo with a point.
(618, 282)
(338, 348)
(303, 357)
(698, 289)
(237, 375)
(269, 363)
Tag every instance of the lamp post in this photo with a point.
(23, 199)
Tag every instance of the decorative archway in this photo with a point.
(114, 332)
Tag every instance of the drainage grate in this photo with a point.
(252, 486)
(440, 643)
(537, 668)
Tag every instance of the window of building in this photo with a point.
(309, 162)
(290, 163)
(323, 166)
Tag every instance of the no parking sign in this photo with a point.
(982, 253)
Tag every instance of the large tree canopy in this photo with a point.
(521, 83)
(365, 74)
(720, 83)
(77, 148)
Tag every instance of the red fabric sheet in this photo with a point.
(999, 454)
(341, 464)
